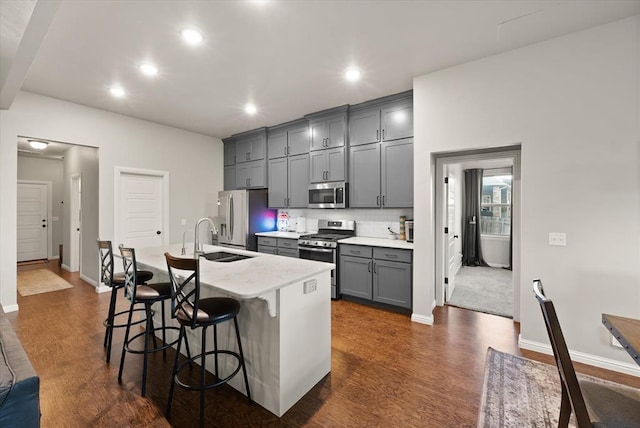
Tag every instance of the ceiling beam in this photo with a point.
(35, 32)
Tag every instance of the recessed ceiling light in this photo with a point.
(352, 74)
(117, 92)
(250, 109)
(149, 69)
(191, 36)
(38, 145)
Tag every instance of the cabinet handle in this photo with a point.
(377, 134)
(247, 156)
(383, 134)
(383, 200)
(369, 267)
(377, 201)
(327, 141)
(374, 268)
(327, 175)
(285, 150)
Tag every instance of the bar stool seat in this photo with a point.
(116, 282)
(147, 295)
(193, 312)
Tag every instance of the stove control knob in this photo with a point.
(325, 244)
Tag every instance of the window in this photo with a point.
(495, 218)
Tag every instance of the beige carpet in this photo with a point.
(38, 281)
(519, 392)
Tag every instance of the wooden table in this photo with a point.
(626, 331)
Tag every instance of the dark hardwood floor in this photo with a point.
(386, 370)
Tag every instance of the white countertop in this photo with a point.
(243, 279)
(278, 234)
(378, 242)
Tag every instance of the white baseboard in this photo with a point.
(89, 280)
(65, 267)
(10, 308)
(581, 357)
(103, 289)
(422, 319)
(54, 258)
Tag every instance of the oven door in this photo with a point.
(321, 255)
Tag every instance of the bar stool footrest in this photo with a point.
(194, 359)
(126, 312)
(127, 345)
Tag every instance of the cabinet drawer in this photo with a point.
(392, 254)
(288, 252)
(266, 240)
(355, 250)
(267, 249)
(287, 243)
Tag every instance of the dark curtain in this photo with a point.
(511, 226)
(471, 248)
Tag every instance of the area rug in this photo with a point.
(518, 392)
(38, 281)
(484, 289)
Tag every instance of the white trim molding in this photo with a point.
(581, 357)
(10, 308)
(85, 278)
(422, 319)
(102, 289)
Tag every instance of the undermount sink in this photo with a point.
(224, 257)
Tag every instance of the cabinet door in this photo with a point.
(335, 164)
(230, 177)
(318, 166)
(364, 127)
(277, 144)
(298, 140)
(392, 283)
(336, 131)
(298, 181)
(355, 277)
(242, 176)
(397, 122)
(397, 173)
(257, 174)
(250, 148)
(364, 176)
(268, 250)
(229, 154)
(278, 183)
(318, 134)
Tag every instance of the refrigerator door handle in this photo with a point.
(231, 218)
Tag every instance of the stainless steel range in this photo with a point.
(323, 246)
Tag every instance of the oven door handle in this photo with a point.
(315, 250)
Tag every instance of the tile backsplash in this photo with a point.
(372, 223)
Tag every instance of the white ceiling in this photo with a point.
(286, 57)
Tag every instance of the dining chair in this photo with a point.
(592, 403)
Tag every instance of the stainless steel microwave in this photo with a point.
(329, 195)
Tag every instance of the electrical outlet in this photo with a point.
(558, 239)
(310, 286)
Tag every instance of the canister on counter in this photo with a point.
(402, 233)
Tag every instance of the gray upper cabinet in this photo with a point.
(364, 127)
(327, 165)
(298, 181)
(277, 144)
(278, 182)
(229, 164)
(229, 152)
(230, 177)
(298, 140)
(251, 147)
(396, 173)
(381, 175)
(251, 175)
(364, 176)
(386, 119)
(328, 132)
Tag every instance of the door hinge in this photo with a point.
(446, 180)
(446, 280)
(446, 230)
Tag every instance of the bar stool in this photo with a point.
(146, 294)
(193, 312)
(116, 282)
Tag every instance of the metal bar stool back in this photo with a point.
(146, 294)
(195, 312)
(116, 282)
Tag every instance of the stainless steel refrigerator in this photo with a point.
(241, 214)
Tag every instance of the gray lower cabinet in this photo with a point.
(378, 274)
(286, 247)
(327, 165)
(381, 175)
(251, 175)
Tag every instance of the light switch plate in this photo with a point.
(183, 222)
(558, 239)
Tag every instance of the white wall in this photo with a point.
(43, 169)
(194, 162)
(573, 104)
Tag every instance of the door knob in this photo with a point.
(455, 236)
(158, 232)
(77, 230)
(44, 225)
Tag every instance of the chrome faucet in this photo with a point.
(197, 247)
(183, 251)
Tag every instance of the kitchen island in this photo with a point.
(285, 319)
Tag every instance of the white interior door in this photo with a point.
(75, 224)
(141, 214)
(451, 257)
(32, 233)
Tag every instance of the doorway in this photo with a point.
(498, 289)
(33, 218)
